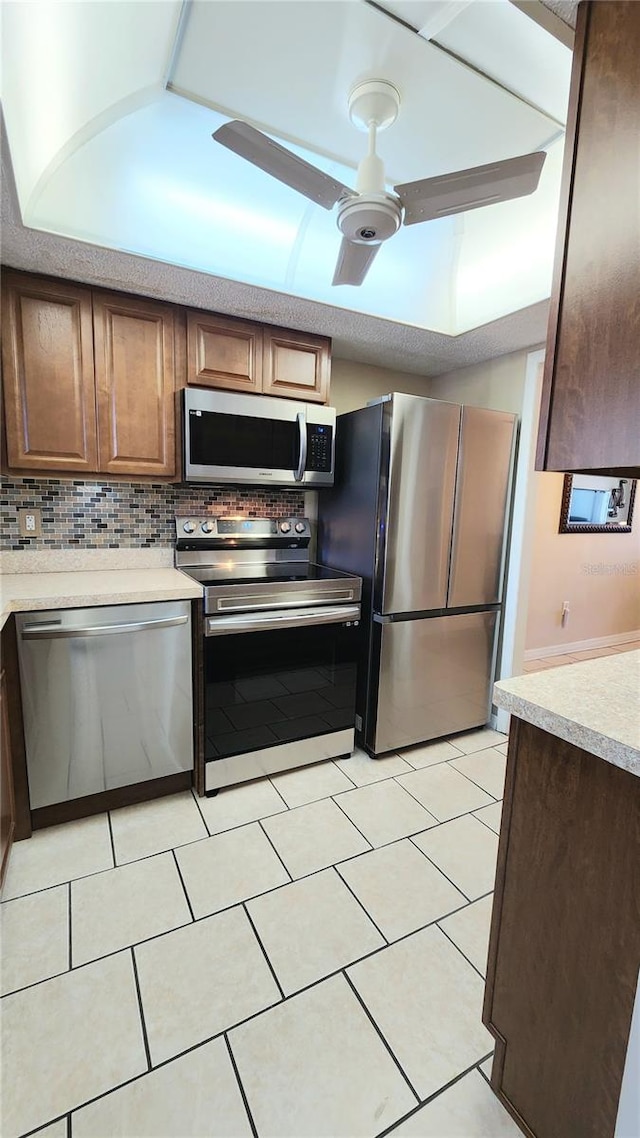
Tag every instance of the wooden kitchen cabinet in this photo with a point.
(296, 365)
(236, 355)
(69, 408)
(564, 949)
(224, 353)
(135, 384)
(49, 387)
(591, 392)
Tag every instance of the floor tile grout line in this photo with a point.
(481, 1072)
(66, 1117)
(69, 1125)
(273, 847)
(142, 1020)
(473, 781)
(431, 1098)
(362, 906)
(345, 758)
(427, 766)
(379, 1034)
(283, 800)
(452, 941)
(243, 1094)
(70, 929)
(263, 950)
(486, 824)
(198, 808)
(113, 845)
(436, 866)
(184, 889)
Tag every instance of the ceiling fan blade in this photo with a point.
(470, 189)
(353, 262)
(274, 159)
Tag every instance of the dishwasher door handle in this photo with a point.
(248, 622)
(46, 632)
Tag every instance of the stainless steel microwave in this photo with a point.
(256, 440)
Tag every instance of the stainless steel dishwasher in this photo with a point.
(106, 696)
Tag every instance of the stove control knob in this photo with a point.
(207, 527)
(189, 527)
(285, 527)
(300, 527)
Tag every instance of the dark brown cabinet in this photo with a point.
(591, 392)
(236, 355)
(135, 385)
(564, 949)
(47, 353)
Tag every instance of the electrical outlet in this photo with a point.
(30, 522)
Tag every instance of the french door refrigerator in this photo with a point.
(418, 510)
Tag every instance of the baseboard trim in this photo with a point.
(581, 645)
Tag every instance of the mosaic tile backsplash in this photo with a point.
(111, 515)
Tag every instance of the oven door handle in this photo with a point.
(248, 622)
(302, 461)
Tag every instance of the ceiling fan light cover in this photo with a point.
(370, 219)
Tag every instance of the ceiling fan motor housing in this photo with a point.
(369, 219)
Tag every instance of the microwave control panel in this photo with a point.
(319, 446)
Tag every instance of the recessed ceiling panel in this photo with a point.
(287, 66)
(505, 43)
(64, 62)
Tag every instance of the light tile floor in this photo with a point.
(300, 956)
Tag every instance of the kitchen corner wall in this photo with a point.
(79, 514)
(598, 574)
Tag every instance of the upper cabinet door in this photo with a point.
(47, 351)
(591, 395)
(296, 365)
(224, 353)
(135, 377)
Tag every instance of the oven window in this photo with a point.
(242, 440)
(267, 688)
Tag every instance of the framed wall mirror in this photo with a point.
(597, 504)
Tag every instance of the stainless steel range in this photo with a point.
(278, 651)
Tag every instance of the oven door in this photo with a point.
(279, 690)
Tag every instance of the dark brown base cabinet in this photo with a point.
(564, 951)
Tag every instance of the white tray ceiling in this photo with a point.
(103, 153)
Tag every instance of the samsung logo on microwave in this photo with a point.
(244, 439)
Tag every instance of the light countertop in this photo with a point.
(594, 704)
(24, 592)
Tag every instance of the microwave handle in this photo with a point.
(302, 463)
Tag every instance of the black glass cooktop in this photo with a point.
(260, 574)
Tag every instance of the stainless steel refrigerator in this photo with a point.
(418, 510)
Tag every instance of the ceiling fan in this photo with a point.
(369, 215)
